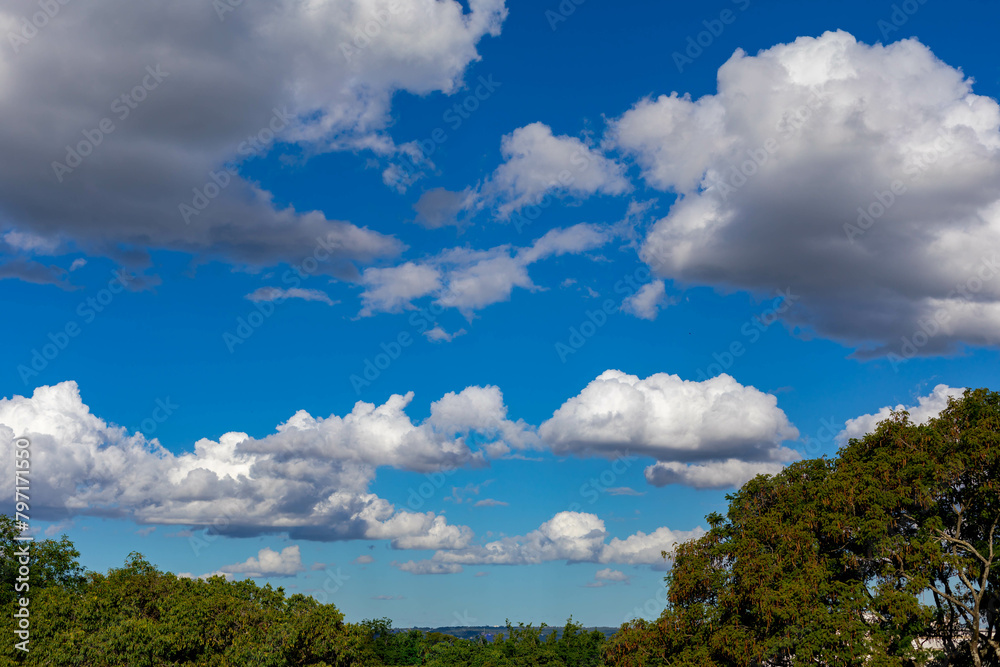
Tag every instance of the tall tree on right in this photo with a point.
(927, 505)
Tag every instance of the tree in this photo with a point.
(928, 503)
(53, 562)
(834, 561)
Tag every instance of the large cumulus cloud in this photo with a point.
(714, 433)
(286, 72)
(801, 141)
(309, 478)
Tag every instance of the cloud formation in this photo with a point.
(866, 178)
(279, 294)
(674, 421)
(310, 478)
(150, 148)
(269, 563)
(574, 537)
(537, 163)
(470, 280)
(645, 304)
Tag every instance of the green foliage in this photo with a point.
(53, 562)
(522, 646)
(833, 561)
(137, 616)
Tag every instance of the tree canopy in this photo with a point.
(884, 555)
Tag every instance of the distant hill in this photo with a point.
(473, 631)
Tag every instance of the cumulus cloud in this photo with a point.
(645, 304)
(310, 478)
(713, 475)
(269, 563)
(428, 567)
(670, 419)
(439, 335)
(392, 289)
(574, 537)
(927, 408)
(470, 280)
(536, 163)
(292, 74)
(364, 560)
(623, 491)
(490, 502)
(607, 574)
(279, 294)
(439, 207)
(865, 178)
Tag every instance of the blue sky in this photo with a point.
(470, 317)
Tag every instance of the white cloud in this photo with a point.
(645, 304)
(303, 57)
(713, 475)
(364, 560)
(439, 207)
(623, 491)
(490, 502)
(428, 567)
(269, 563)
(310, 478)
(536, 163)
(471, 280)
(279, 294)
(772, 167)
(568, 536)
(670, 419)
(392, 289)
(607, 574)
(438, 335)
(927, 408)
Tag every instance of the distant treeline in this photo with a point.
(884, 556)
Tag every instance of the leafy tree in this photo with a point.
(138, 616)
(833, 561)
(53, 562)
(928, 503)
